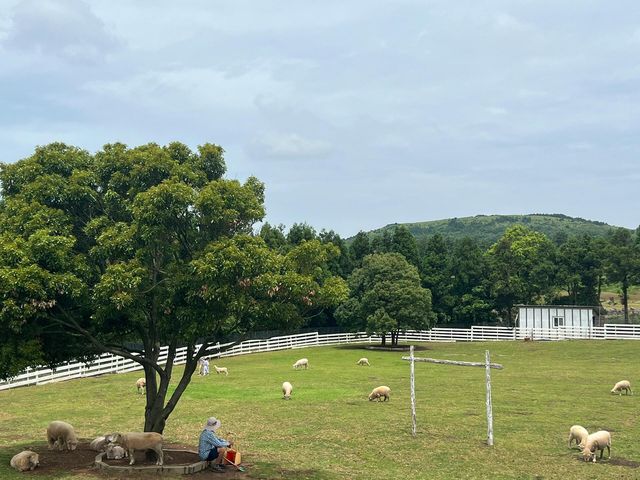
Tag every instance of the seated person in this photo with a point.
(211, 447)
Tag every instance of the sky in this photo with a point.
(354, 114)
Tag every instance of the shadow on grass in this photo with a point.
(272, 471)
(376, 346)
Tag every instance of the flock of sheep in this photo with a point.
(598, 441)
(61, 435)
(121, 445)
(380, 393)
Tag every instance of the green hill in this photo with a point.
(488, 228)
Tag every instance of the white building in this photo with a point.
(555, 316)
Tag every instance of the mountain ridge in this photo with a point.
(489, 228)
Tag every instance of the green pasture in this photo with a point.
(330, 431)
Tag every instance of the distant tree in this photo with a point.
(274, 237)
(622, 264)
(360, 247)
(386, 298)
(579, 268)
(404, 243)
(521, 269)
(470, 289)
(130, 250)
(382, 243)
(299, 232)
(343, 264)
(437, 276)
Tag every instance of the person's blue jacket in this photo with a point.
(209, 441)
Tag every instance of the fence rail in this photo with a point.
(107, 363)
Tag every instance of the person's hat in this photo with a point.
(213, 424)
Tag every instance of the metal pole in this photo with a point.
(489, 406)
(413, 393)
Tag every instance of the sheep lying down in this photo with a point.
(24, 461)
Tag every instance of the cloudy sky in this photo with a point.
(354, 113)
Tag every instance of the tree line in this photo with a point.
(468, 282)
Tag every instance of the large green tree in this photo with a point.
(622, 263)
(522, 269)
(132, 249)
(386, 298)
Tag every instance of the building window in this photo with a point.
(558, 322)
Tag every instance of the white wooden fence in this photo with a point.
(107, 363)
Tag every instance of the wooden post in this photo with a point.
(489, 406)
(413, 393)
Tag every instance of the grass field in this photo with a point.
(330, 431)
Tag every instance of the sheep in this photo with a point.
(363, 361)
(287, 388)
(133, 441)
(26, 460)
(99, 444)
(622, 385)
(220, 370)
(62, 434)
(141, 384)
(380, 392)
(597, 441)
(303, 362)
(115, 452)
(579, 434)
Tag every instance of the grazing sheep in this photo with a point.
(115, 452)
(363, 361)
(380, 392)
(133, 441)
(99, 444)
(302, 363)
(62, 434)
(622, 385)
(26, 460)
(141, 384)
(221, 370)
(579, 434)
(597, 441)
(287, 388)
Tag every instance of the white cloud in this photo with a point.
(290, 146)
(64, 28)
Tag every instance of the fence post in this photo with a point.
(413, 393)
(487, 361)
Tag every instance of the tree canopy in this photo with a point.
(132, 249)
(386, 298)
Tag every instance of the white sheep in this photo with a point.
(133, 441)
(597, 441)
(62, 434)
(220, 370)
(622, 385)
(380, 392)
(363, 361)
(287, 388)
(115, 452)
(141, 384)
(579, 434)
(99, 444)
(26, 460)
(302, 363)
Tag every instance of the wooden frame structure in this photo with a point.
(488, 366)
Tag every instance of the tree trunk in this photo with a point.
(625, 300)
(384, 339)
(157, 410)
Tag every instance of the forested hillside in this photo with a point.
(487, 229)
